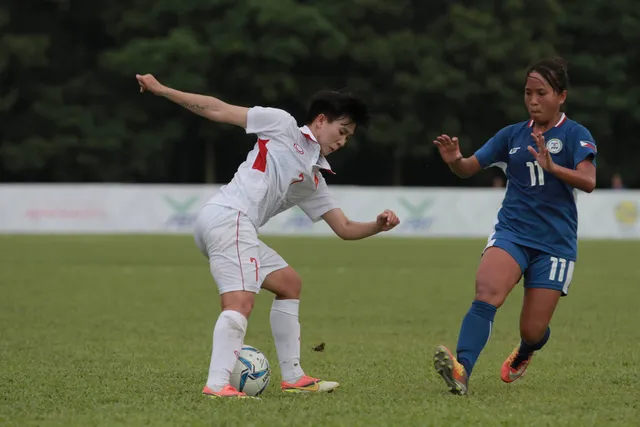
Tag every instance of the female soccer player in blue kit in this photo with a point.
(545, 159)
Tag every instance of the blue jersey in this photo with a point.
(539, 210)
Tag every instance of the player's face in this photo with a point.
(541, 100)
(332, 136)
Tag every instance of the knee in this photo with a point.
(240, 301)
(291, 286)
(489, 291)
(284, 283)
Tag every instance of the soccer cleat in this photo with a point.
(514, 367)
(308, 384)
(226, 391)
(451, 371)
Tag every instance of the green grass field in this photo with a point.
(114, 331)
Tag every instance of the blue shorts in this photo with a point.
(540, 269)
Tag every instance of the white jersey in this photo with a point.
(282, 171)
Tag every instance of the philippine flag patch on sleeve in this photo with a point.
(588, 144)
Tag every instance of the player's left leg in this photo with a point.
(230, 242)
(285, 283)
(500, 269)
(547, 279)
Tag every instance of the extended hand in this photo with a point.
(449, 148)
(149, 83)
(542, 156)
(387, 220)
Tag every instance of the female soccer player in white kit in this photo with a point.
(282, 171)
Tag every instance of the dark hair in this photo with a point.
(554, 71)
(336, 105)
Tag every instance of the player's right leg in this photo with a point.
(229, 240)
(285, 283)
(500, 270)
(547, 279)
(537, 309)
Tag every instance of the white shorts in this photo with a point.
(238, 260)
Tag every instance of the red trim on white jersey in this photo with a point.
(260, 163)
(299, 180)
(309, 135)
(238, 248)
(255, 262)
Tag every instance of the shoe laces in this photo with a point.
(516, 359)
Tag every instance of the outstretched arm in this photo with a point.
(450, 153)
(205, 106)
(465, 167)
(352, 230)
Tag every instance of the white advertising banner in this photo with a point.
(425, 212)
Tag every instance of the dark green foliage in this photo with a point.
(70, 109)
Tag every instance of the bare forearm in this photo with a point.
(206, 106)
(575, 178)
(465, 167)
(353, 230)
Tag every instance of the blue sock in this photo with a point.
(527, 349)
(474, 333)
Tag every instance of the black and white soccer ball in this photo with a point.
(252, 372)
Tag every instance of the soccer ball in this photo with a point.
(252, 372)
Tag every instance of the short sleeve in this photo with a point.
(495, 150)
(320, 202)
(583, 145)
(266, 121)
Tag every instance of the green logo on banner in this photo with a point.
(182, 206)
(181, 218)
(416, 210)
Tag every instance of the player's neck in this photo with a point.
(542, 127)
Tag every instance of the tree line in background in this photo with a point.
(70, 109)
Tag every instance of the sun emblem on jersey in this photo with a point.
(298, 148)
(554, 145)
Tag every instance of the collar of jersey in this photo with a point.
(322, 162)
(563, 119)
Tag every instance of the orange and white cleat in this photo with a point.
(515, 366)
(226, 391)
(308, 384)
(451, 371)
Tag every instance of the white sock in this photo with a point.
(228, 337)
(286, 334)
